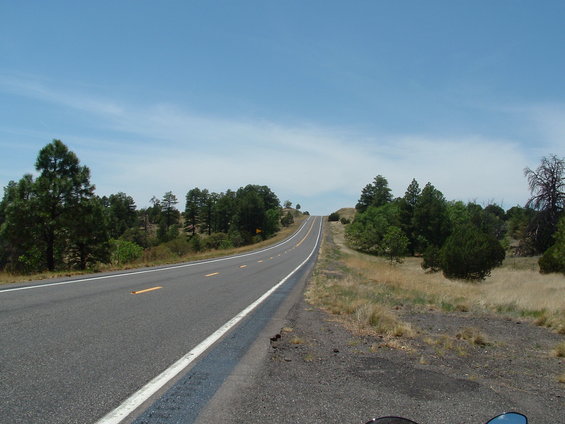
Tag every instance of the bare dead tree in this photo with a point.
(547, 187)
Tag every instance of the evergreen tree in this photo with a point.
(406, 213)
(21, 247)
(470, 254)
(193, 210)
(52, 221)
(90, 241)
(366, 199)
(59, 190)
(121, 213)
(251, 213)
(208, 222)
(376, 194)
(412, 193)
(170, 214)
(224, 211)
(431, 220)
(168, 228)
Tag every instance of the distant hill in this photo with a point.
(348, 213)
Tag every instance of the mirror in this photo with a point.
(391, 420)
(509, 418)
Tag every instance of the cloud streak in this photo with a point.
(150, 149)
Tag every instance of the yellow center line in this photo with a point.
(146, 290)
(307, 234)
(212, 274)
(270, 258)
(243, 266)
(260, 261)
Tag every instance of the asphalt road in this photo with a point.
(71, 351)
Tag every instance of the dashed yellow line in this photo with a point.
(212, 274)
(146, 290)
(259, 261)
(243, 266)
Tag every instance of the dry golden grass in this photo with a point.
(296, 340)
(473, 336)
(526, 289)
(347, 213)
(559, 350)
(515, 289)
(351, 298)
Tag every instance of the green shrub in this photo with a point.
(123, 251)
(287, 219)
(470, 254)
(215, 241)
(236, 238)
(552, 261)
(159, 253)
(431, 259)
(344, 221)
(28, 263)
(195, 242)
(333, 217)
(180, 246)
(368, 229)
(394, 244)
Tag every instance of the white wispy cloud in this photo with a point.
(150, 149)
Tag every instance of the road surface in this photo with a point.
(85, 350)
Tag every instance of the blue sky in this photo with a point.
(312, 98)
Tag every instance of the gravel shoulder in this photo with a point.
(311, 369)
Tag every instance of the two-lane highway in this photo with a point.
(75, 350)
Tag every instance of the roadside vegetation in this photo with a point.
(54, 224)
(381, 261)
(465, 241)
(370, 296)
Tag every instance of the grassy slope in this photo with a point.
(365, 291)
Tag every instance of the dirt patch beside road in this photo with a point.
(455, 367)
(319, 372)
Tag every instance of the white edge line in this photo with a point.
(137, 399)
(103, 277)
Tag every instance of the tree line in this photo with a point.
(56, 221)
(464, 240)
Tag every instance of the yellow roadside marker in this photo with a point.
(146, 290)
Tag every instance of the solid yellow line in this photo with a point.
(307, 234)
(146, 290)
(210, 275)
